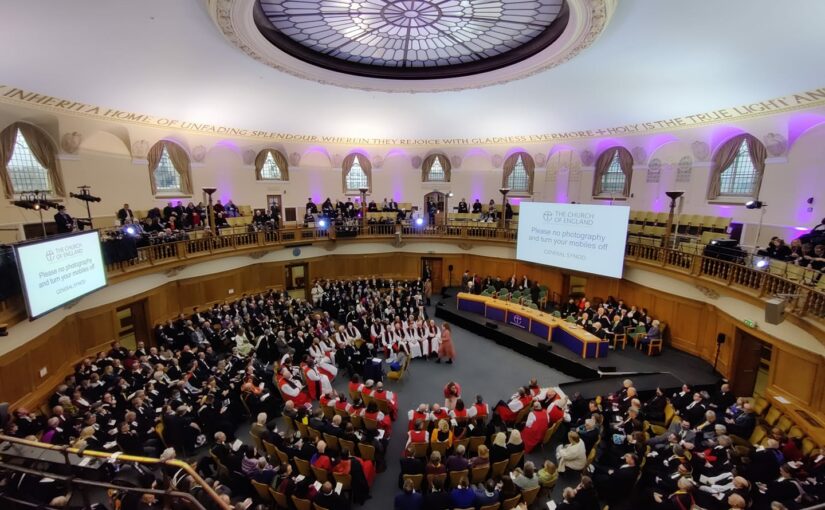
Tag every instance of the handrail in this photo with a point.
(807, 301)
(118, 457)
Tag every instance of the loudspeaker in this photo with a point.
(775, 311)
(450, 268)
(720, 338)
(607, 369)
(545, 347)
(491, 325)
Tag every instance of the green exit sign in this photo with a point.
(750, 323)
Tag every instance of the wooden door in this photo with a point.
(748, 355)
(132, 326)
(435, 267)
(297, 280)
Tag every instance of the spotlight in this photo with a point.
(754, 204)
(419, 221)
(761, 264)
(322, 223)
(130, 230)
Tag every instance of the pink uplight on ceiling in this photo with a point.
(606, 143)
(801, 123)
(722, 134)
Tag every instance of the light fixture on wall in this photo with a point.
(673, 196)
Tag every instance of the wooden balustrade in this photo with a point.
(804, 300)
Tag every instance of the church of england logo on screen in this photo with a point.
(518, 321)
(547, 216)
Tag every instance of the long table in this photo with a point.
(539, 323)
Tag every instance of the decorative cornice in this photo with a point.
(794, 102)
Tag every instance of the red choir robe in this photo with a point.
(533, 434)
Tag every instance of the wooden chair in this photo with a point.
(314, 434)
(474, 443)
(303, 428)
(498, 469)
(760, 405)
(421, 450)
(263, 491)
(328, 411)
(301, 504)
(463, 442)
(322, 475)
(772, 416)
(316, 506)
(340, 412)
(354, 395)
(332, 442)
(346, 445)
(507, 504)
(530, 495)
(432, 478)
(515, 459)
(367, 451)
(759, 433)
(370, 424)
(280, 499)
(494, 506)
(282, 456)
(620, 338)
(345, 479)
(303, 466)
(398, 375)
(357, 422)
(417, 480)
(479, 474)
(784, 423)
(440, 448)
(549, 433)
(456, 476)
(383, 406)
(796, 433)
(270, 449)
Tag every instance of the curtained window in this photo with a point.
(614, 171)
(271, 165)
(738, 166)
(25, 172)
(518, 173)
(435, 168)
(356, 170)
(169, 169)
(28, 161)
(167, 177)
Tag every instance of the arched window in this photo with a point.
(436, 168)
(518, 173)
(614, 170)
(271, 165)
(356, 171)
(28, 160)
(738, 166)
(169, 169)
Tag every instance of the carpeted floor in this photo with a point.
(481, 367)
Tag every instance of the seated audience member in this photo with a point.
(329, 499)
(462, 495)
(437, 498)
(527, 478)
(573, 455)
(482, 457)
(408, 499)
(410, 466)
(457, 461)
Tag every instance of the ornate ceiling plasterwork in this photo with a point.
(586, 21)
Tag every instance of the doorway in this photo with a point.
(431, 267)
(753, 362)
(438, 199)
(297, 280)
(132, 327)
(275, 201)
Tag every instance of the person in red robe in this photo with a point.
(537, 424)
(421, 414)
(292, 390)
(446, 349)
(321, 460)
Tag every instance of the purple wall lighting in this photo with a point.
(721, 135)
(606, 143)
(657, 142)
(801, 123)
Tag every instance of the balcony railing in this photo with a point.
(805, 298)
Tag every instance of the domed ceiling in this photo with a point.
(625, 63)
(411, 39)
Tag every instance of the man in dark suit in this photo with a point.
(437, 498)
(125, 213)
(329, 499)
(612, 485)
(410, 466)
(65, 223)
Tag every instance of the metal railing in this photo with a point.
(805, 298)
(14, 450)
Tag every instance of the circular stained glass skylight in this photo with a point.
(411, 39)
